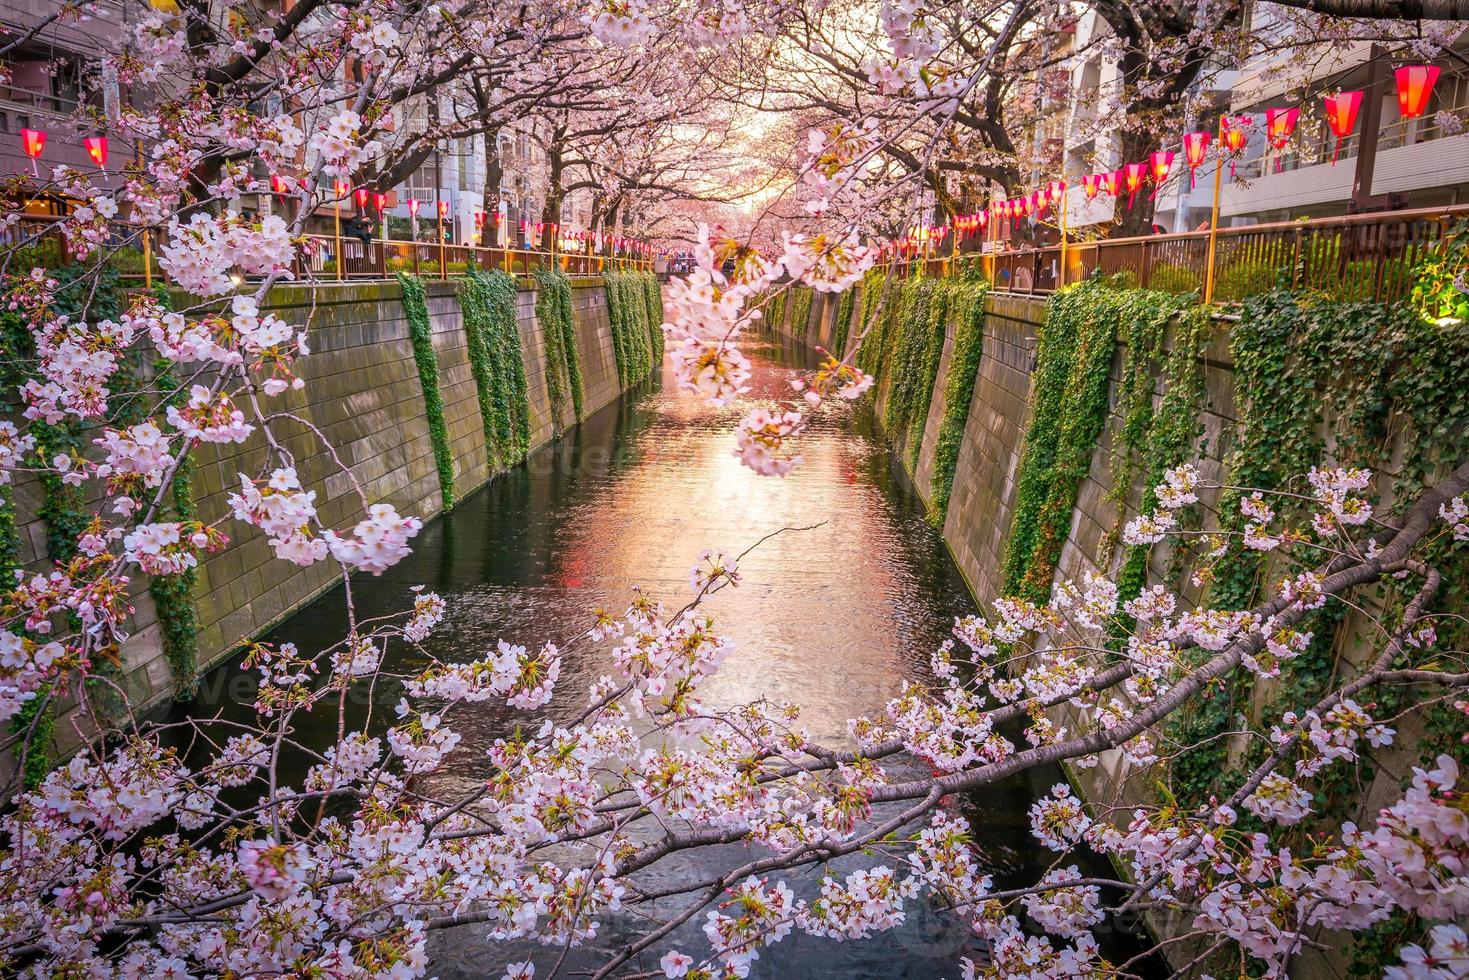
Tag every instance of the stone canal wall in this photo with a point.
(362, 408)
(983, 502)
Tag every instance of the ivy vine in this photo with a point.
(966, 309)
(843, 324)
(173, 595)
(653, 297)
(636, 315)
(497, 362)
(62, 508)
(906, 366)
(563, 368)
(802, 298)
(420, 332)
(1068, 411)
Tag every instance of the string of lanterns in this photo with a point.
(1414, 84)
(33, 144)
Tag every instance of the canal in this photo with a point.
(833, 618)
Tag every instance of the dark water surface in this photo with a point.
(833, 619)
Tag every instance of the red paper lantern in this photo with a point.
(443, 209)
(1133, 175)
(1057, 189)
(1092, 184)
(380, 200)
(981, 220)
(361, 195)
(1232, 132)
(279, 184)
(413, 206)
(1341, 116)
(1113, 181)
(33, 141)
(1160, 164)
(1195, 147)
(1415, 87)
(340, 188)
(479, 219)
(1279, 124)
(97, 149)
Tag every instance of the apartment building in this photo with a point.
(1421, 162)
(57, 85)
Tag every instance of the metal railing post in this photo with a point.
(1214, 219)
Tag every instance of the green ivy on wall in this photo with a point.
(843, 324)
(802, 298)
(497, 362)
(966, 308)
(775, 309)
(420, 332)
(1173, 432)
(909, 368)
(62, 508)
(873, 283)
(653, 297)
(1068, 411)
(636, 314)
(563, 368)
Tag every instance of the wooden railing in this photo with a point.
(1365, 256)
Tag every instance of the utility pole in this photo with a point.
(1362, 199)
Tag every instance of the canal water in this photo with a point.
(833, 618)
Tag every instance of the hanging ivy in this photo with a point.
(906, 367)
(79, 295)
(636, 315)
(802, 298)
(653, 297)
(420, 332)
(1068, 411)
(775, 310)
(843, 324)
(1173, 432)
(497, 362)
(966, 309)
(873, 283)
(563, 369)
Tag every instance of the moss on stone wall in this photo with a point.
(843, 324)
(802, 298)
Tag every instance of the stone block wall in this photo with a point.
(362, 410)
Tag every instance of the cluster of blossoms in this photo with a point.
(201, 256)
(707, 311)
(76, 362)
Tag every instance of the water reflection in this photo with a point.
(833, 618)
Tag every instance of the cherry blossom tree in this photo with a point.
(133, 858)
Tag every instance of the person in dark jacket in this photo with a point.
(359, 227)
